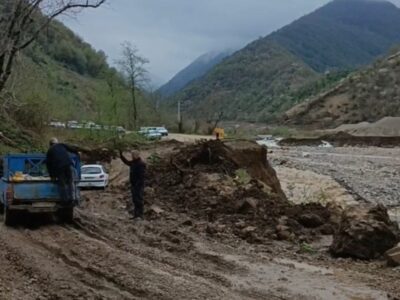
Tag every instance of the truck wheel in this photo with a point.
(66, 215)
(10, 217)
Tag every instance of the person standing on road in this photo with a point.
(137, 170)
(60, 167)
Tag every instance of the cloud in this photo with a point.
(172, 33)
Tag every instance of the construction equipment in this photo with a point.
(219, 133)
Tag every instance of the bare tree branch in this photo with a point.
(132, 67)
(21, 22)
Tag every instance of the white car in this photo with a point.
(93, 176)
(163, 131)
(153, 135)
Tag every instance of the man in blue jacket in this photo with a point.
(136, 177)
(60, 167)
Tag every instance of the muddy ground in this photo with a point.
(174, 255)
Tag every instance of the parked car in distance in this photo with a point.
(151, 132)
(93, 176)
(143, 130)
(152, 135)
(57, 124)
(162, 130)
(121, 130)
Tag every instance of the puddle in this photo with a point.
(304, 266)
(291, 279)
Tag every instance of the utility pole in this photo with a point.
(180, 127)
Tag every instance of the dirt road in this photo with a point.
(106, 255)
(188, 138)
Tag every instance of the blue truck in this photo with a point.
(25, 185)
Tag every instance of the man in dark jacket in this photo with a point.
(136, 177)
(59, 165)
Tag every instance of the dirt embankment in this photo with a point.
(342, 139)
(232, 189)
(388, 126)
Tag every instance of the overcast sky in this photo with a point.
(172, 33)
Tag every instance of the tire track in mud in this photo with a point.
(14, 274)
(110, 263)
(144, 239)
(110, 281)
(86, 261)
(37, 268)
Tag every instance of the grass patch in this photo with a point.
(242, 176)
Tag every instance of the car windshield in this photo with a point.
(91, 170)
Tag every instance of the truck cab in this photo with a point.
(25, 185)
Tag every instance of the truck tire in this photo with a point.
(10, 217)
(66, 215)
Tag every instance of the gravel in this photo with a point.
(369, 174)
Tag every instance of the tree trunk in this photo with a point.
(134, 109)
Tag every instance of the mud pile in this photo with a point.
(365, 233)
(226, 188)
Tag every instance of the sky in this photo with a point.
(173, 33)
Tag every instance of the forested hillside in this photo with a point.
(261, 81)
(367, 95)
(62, 77)
(253, 83)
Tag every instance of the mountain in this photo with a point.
(193, 71)
(365, 96)
(342, 34)
(242, 85)
(264, 79)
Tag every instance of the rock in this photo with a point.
(155, 209)
(393, 256)
(247, 205)
(249, 229)
(310, 220)
(284, 235)
(283, 232)
(283, 162)
(327, 229)
(364, 232)
(149, 191)
(187, 222)
(211, 229)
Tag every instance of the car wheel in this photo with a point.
(10, 217)
(66, 215)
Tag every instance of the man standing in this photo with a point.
(59, 165)
(136, 177)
